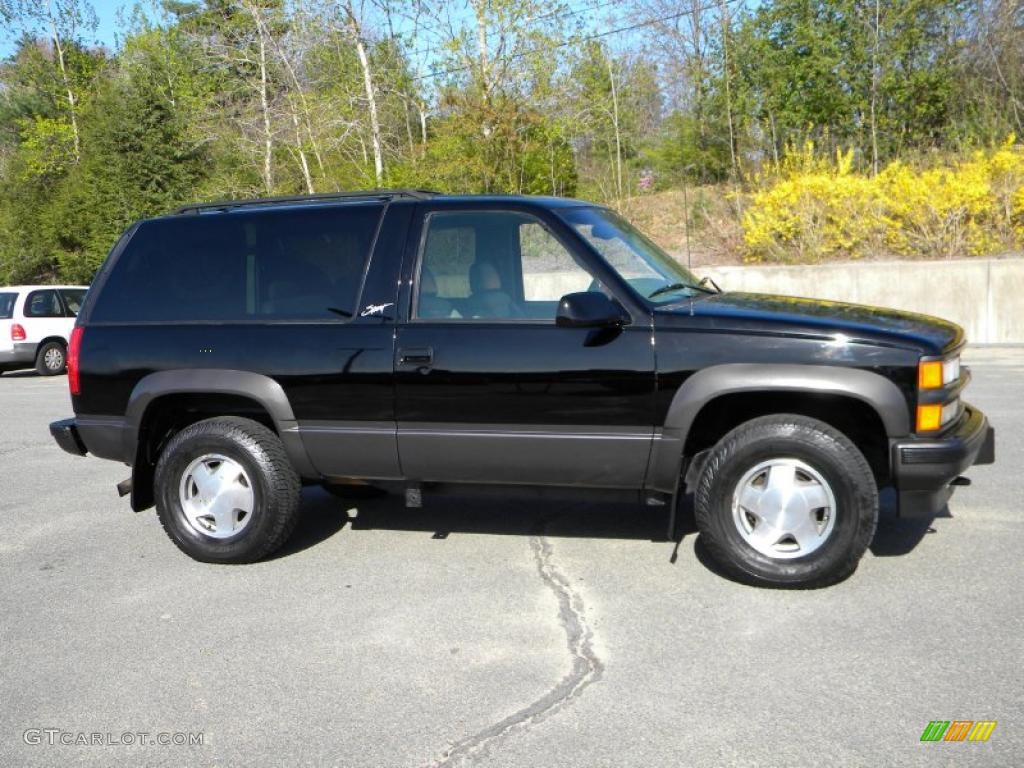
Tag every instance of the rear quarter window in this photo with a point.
(7, 305)
(248, 266)
(43, 304)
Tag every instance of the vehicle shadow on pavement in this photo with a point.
(321, 517)
(28, 373)
(555, 512)
(451, 510)
(894, 535)
(897, 535)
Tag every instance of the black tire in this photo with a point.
(51, 359)
(824, 449)
(275, 487)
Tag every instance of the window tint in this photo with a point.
(7, 305)
(298, 264)
(43, 304)
(493, 265)
(73, 298)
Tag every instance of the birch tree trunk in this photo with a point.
(874, 91)
(58, 45)
(726, 29)
(307, 123)
(481, 44)
(355, 30)
(262, 40)
(616, 126)
(303, 162)
(268, 132)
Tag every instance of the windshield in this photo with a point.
(648, 269)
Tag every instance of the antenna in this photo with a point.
(686, 208)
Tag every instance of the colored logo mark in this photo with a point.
(958, 730)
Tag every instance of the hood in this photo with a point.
(771, 313)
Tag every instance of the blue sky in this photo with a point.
(106, 13)
(108, 28)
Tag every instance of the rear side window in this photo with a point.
(247, 266)
(43, 304)
(7, 305)
(73, 298)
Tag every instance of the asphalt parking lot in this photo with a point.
(542, 630)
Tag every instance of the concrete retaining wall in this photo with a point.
(985, 296)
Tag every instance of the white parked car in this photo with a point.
(35, 325)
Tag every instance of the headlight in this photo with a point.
(935, 374)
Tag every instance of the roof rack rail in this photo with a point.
(223, 205)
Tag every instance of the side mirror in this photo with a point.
(589, 309)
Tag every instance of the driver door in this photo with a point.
(489, 389)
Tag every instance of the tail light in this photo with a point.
(73, 349)
(17, 332)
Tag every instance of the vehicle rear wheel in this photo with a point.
(786, 501)
(226, 491)
(51, 359)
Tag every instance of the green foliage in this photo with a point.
(810, 67)
(47, 146)
(141, 162)
(687, 149)
(229, 98)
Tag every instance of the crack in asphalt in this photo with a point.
(586, 669)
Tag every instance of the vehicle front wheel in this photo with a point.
(51, 359)
(786, 501)
(226, 491)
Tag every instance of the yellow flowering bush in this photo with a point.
(811, 209)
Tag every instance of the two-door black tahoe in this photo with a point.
(232, 352)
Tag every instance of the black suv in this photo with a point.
(231, 352)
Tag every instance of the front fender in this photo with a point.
(698, 390)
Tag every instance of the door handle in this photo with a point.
(416, 356)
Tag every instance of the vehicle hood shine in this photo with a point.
(787, 314)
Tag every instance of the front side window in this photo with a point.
(301, 264)
(648, 269)
(494, 265)
(73, 298)
(7, 305)
(43, 304)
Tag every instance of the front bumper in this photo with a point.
(924, 468)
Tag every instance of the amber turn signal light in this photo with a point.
(929, 374)
(929, 417)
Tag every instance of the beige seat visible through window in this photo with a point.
(430, 304)
(487, 299)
